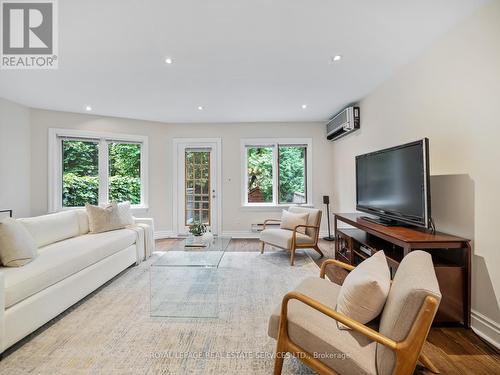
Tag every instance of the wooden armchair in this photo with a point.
(292, 239)
(305, 324)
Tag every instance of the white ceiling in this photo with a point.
(242, 60)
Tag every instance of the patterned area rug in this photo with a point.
(111, 331)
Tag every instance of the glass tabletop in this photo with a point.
(185, 255)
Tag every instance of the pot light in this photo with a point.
(88, 108)
(337, 58)
(169, 60)
(200, 108)
(304, 106)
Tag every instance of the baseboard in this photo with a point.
(485, 328)
(160, 234)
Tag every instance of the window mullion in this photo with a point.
(275, 174)
(103, 172)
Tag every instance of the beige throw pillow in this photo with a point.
(364, 292)
(104, 219)
(290, 220)
(17, 246)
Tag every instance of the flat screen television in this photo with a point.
(393, 184)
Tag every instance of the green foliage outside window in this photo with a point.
(260, 171)
(292, 170)
(81, 170)
(124, 172)
(292, 173)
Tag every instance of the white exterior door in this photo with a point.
(196, 189)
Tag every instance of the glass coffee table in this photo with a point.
(185, 280)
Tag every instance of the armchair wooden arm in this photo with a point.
(351, 323)
(296, 230)
(336, 262)
(305, 226)
(269, 221)
(407, 351)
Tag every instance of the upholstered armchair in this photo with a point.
(306, 324)
(293, 239)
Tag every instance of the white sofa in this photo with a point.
(71, 263)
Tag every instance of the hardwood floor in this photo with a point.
(453, 350)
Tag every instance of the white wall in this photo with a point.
(15, 158)
(451, 95)
(235, 219)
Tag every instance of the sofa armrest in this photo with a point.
(149, 234)
(2, 312)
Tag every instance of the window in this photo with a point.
(86, 167)
(292, 174)
(80, 174)
(276, 172)
(124, 162)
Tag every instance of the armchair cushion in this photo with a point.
(283, 238)
(290, 220)
(313, 218)
(415, 279)
(347, 352)
(365, 290)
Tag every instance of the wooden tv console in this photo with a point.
(451, 256)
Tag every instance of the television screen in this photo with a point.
(394, 183)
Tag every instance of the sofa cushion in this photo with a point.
(415, 279)
(347, 352)
(17, 246)
(48, 229)
(365, 289)
(313, 219)
(283, 238)
(63, 259)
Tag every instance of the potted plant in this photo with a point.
(197, 229)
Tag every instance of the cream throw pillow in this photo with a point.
(125, 213)
(364, 292)
(290, 220)
(104, 219)
(17, 246)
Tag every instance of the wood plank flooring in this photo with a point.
(453, 350)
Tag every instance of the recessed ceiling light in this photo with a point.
(88, 108)
(337, 58)
(304, 106)
(200, 108)
(169, 60)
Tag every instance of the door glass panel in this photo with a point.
(197, 187)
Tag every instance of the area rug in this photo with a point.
(111, 331)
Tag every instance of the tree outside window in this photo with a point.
(276, 172)
(80, 172)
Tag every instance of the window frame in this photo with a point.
(55, 165)
(275, 143)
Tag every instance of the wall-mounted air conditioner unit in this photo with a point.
(343, 123)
